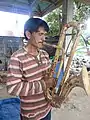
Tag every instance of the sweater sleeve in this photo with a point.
(16, 84)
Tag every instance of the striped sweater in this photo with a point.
(24, 80)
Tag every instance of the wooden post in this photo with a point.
(67, 16)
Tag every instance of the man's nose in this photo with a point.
(43, 37)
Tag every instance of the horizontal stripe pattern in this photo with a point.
(39, 115)
(24, 80)
(36, 109)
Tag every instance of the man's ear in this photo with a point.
(28, 35)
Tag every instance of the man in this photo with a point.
(25, 72)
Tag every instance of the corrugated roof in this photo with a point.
(35, 7)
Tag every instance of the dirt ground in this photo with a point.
(76, 108)
(3, 92)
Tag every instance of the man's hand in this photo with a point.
(50, 83)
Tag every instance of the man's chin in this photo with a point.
(40, 45)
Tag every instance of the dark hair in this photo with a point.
(32, 25)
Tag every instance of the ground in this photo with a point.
(76, 108)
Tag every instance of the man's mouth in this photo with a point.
(40, 42)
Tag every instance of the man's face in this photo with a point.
(37, 38)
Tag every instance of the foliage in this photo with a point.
(82, 11)
(53, 19)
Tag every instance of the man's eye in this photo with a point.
(41, 34)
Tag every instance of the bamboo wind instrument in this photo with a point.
(57, 96)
